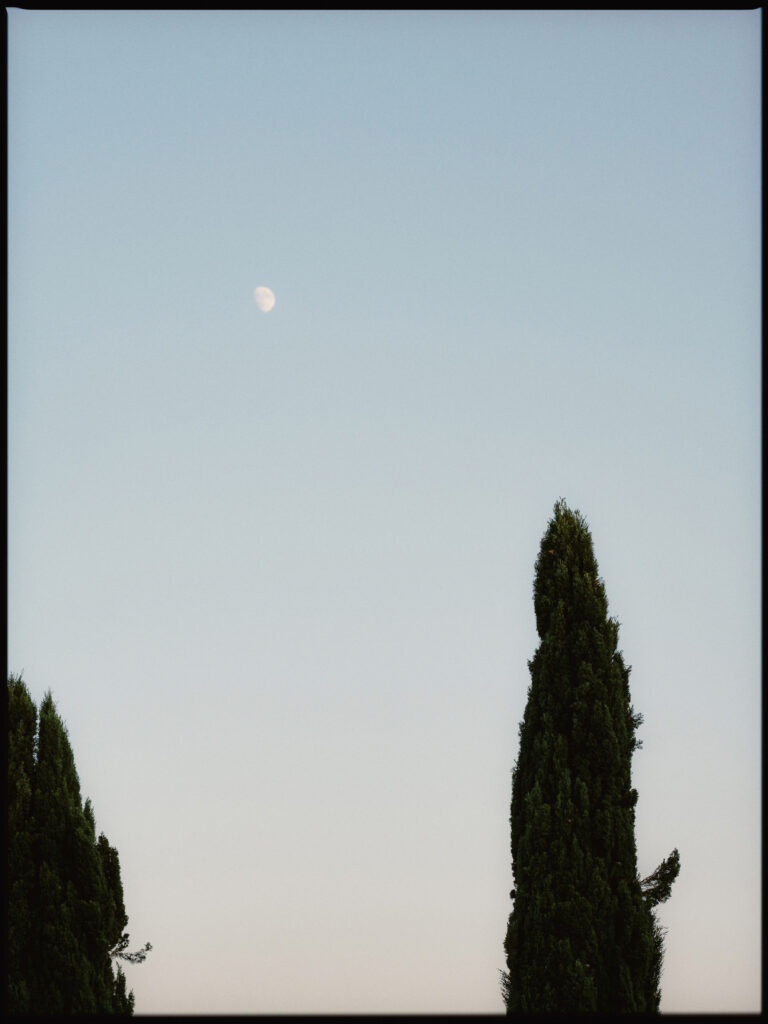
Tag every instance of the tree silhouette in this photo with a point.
(66, 916)
(582, 936)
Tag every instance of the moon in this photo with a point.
(264, 298)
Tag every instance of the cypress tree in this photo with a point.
(582, 936)
(22, 733)
(64, 980)
(65, 899)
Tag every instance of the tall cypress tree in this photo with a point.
(65, 899)
(22, 741)
(582, 936)
(64, 980)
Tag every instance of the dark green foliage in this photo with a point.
(657, 887)
(582, 936)
(66, 916)
(22, 733)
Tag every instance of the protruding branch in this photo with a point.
(657, 887)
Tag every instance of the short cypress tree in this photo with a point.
(66, 916)
(582, 936)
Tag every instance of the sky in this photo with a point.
(276, 567)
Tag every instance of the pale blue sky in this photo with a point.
(277, 568)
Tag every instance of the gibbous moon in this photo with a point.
(264, 298)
